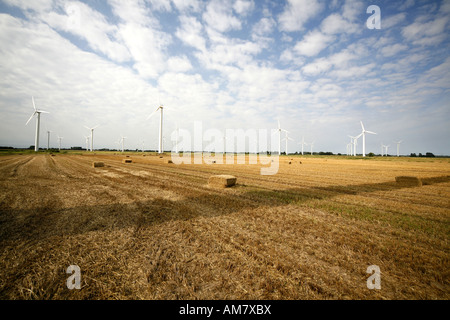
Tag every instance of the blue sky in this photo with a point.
(238, 64)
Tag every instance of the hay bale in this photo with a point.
(222, 181)
(290, 162)
(300, 162)
(127, 161)
(96, 164)
(409, 181)
(169, 161)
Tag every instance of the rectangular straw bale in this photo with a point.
(96, 164)
(222, 181)
(409, 180)
(127, 161)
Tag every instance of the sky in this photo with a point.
(317, 67)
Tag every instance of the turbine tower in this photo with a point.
(59, 139)
(48, 139)
(303, 143)
(38, 122)
(122, 139)
(92, 136)
(398, 147)
(160, 147)
(287, 140)
(279, 137)
(363, 133)
(354, 143)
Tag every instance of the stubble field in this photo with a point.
(154, 230)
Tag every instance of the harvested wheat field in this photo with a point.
(153, 230)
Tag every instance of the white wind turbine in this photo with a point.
(92, 136)
(279, 137)
(48, 139)
(363, 134)
(310, 144)
(353, 144)
(59, 139)
(398, 147)
(303, 143)
(122, 139)
(386, 148)
(38, 121)
(287, 140)
(160, 147)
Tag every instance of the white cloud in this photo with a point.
(352, 9)
(187, 5)
(243, 7)
(179, 64)
(297, 13)
(313, 43)
(393, 50)
(90, 25)
(335, 23)
(426, 33)
(264, 26)
(219, 16)
(140, 33)
(190, 32)
(390, 21)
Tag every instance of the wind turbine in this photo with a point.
(122, 139)
(279, 137)
(59, 139)
(363, 133)
(48, 139)
(160, 147)
(287, 140)
(354, 143)
(92, 136)
(387, 149)
(310, 144)
(303, 143)
(38, 121)
(398, 147)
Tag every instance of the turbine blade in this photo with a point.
(32, 100)
(151, 115)
(362, 126)
(370, 132)
(31, 118)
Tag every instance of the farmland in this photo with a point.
(150, 229)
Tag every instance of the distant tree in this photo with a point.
(413, 155)
(371, 154)
(420, 155)
(429, 154)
